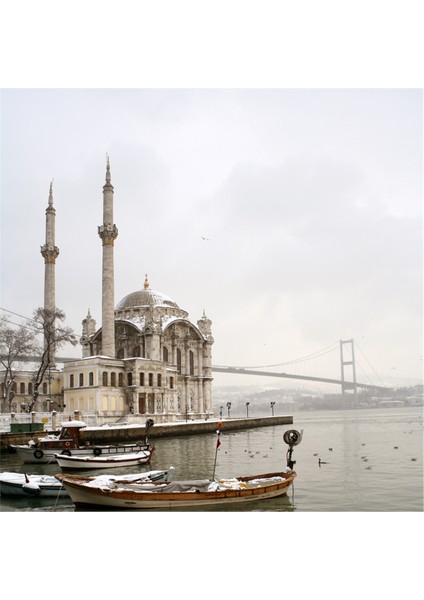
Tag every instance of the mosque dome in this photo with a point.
(145, 298)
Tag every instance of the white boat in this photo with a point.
(21, 484)
(104, 461)
(68, 443)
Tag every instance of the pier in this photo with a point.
(110, 434)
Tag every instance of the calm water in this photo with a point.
(364, 470)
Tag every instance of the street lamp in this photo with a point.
(228, 408)
(272, 408)
(247, 409)
(220, 411)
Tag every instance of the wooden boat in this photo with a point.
(69, 443)
(21, 484)
(104, 461)
(177, 495)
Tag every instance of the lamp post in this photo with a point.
(228, 408)
(272, 408)
(220, 411)
(247, 409)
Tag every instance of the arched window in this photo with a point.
(178, 360)
(81, 379)
(120, 353)
(165, 354)
(142, 379)
(113, 379)
(136, 351)
(45, 387)
(171, 383)
(120, 379)
(104, 378)
(129, 378)
(30, 388)
(151, 379)
(71, 380)
(159, 380)
(91, 378)
(22, 388)
(191, 358)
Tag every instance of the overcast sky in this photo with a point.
(310, 200)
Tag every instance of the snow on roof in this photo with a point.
(73, 424)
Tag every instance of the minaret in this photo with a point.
(108, 233)
(50, 252)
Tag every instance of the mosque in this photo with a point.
(146, 359)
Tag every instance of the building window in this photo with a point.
(44, 388)
(151, 379)
(91, 378)
(129, 378)
(178, 360)
(104, 377)
(30, 388)
(142, 379)
(120, 379)
(113, 379)
(171, 383)
(159, 380)
(22, 388)
(136, 351)
(165, 354)
(120, 353)
(81, 379)
(191, 358)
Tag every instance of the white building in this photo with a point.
(147, 358)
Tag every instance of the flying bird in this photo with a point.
(204, 238)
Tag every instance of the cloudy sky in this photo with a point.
(293, 217)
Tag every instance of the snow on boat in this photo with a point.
(21, 484)
(176, 494)
(69, 443)
(105, 461)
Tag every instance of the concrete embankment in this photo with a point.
(129, 433)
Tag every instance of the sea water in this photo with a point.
(371, 461)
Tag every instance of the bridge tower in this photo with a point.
(348, 363)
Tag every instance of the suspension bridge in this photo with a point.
(347, 364)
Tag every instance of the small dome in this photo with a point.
(145, 298)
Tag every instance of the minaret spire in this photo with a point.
(50, 252)
(108, 233)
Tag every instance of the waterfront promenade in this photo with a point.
(116, 433)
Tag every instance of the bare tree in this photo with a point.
(15, 343)
(48, 325)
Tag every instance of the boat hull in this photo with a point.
(33, 455)
(120, 499)
(102, 462)
(15, 484)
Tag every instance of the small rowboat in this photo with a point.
(105, 461)
(177, 495)
(21, 484)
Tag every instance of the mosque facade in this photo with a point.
(147, 358)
